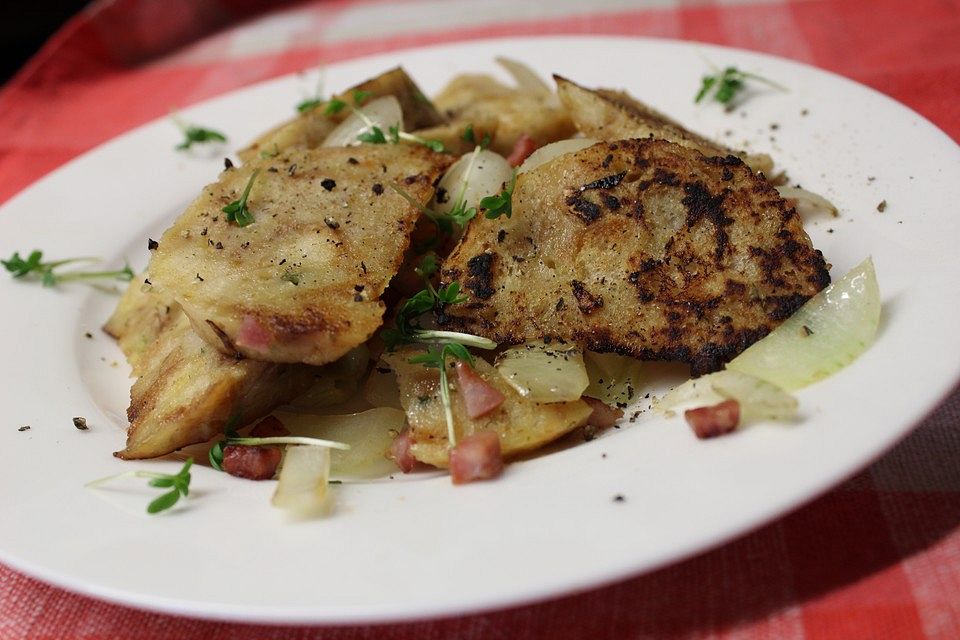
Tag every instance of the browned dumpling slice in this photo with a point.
(606, 114)
(186, 391)
(638, 247)
(302, 282)
(522, 425)
(141, 315)
(309, 129)
(504, 112)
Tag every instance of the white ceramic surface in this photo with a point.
(408, 549)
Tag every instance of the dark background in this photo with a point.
(25, 26)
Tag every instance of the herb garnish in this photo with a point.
(373, 134)
(237, 211)
(500, 204)
(436, 358)
(428, 266)
(316, 442)
(441, 344)
(33, 264)
(193, 134)
(722, 86)
(178, 484)
(335, 105)
(309, 104)
(469, 136)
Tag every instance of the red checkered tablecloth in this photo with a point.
(878, 557)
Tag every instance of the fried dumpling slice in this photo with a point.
(186, 391)
(606, 114)
(523, 425)
(309, 129)
(139, 318)
(303, 282)
(505, 113)
(638, 247)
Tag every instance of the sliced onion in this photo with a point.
(525, 77)
(382, 388)
(474, 176)
(808, 203)
(553, 150)
(302, 485)
(826, 334)
(614, 379)
(335, 382)
(759, 399)
(368, 433)
(383, 112)
(544, 373)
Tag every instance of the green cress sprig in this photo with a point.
(469, 136)
(375, 135)
(237, 211)
(179, 485)
(33, 264)
(723, 86)
(442, 345)
(501, 204)
(436, 358)
(194, 134)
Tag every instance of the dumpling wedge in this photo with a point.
(523, 425)
(638, 247)
(607, 114)
(186, 391)
(302, 282)
(309, 129)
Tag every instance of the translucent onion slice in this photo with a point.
(553, 150)
(383, 112)
(302, 485)
(759, 399)
(808, 203)
(382, 389)
(368, 433)
(336, 382)
(614, 379)
(544, 373)
(474, 176)
(826, 334)
(525, 77)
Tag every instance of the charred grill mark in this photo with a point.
(728, 160)
(480, 276)
(586, 301)
(666, 178)
(784, 306)
(585, 210)
(611, 202)
(607, 182)
(701, 205)
(225, 339)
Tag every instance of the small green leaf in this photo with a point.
(163, 482)
(164, 502)
(360, 96)
(334, 106)
(309, 105)
(428, 266)
(198, 135)
(373, 136)
(723, 86)
(237, 210)
(500, 204)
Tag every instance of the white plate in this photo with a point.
(408, 549)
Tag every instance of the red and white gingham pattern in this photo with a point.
(878, 557)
